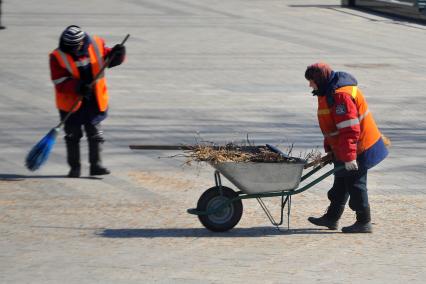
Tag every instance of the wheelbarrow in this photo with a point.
(220, 208)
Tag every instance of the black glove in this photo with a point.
(85, 90)
(118, 52)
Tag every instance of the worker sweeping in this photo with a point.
(73, 66)
(351, 135)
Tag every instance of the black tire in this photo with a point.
(227, 218)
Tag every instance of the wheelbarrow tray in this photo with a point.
(261, 177)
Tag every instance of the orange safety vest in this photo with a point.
(65, 101)
(369, 134)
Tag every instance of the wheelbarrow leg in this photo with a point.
(218, 181)
(284, 201)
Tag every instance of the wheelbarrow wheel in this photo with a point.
(225, 219)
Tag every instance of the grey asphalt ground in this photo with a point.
(206, 71)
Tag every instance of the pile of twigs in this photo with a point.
(239, 154)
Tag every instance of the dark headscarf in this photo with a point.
(321, 74)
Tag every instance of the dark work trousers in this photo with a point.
(73, 132)
(350, 185)
(89, 118)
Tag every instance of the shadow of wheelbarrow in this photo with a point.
(253, 232)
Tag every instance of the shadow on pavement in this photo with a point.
(204, 233)
(13, 177)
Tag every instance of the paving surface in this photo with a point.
(206, 71)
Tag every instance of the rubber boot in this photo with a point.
(362, 224)
(96, 167)
(73, 159)
(330, 219)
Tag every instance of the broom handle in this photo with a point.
(80, 98)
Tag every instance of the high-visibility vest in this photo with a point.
(65, 101)
(369, 134)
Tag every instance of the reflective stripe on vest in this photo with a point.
(60, 80)
(99, 59)
(323, 111)
(96, 51)
(361, 117)
(66, 60)
(335, 133)
(352, 122)
(347, 123)
(354, 92)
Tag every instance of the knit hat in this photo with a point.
(72, 36)
(320, 73)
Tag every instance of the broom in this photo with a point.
(40, 152)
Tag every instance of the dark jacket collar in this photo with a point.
(337, 80)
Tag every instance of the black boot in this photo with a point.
(330, 219)
(96, 167)
(362, 224)
(73, 158)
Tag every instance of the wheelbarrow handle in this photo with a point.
(324, 160)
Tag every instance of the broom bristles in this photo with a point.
(40, 152)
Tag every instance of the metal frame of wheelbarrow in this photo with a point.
(285, 197)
